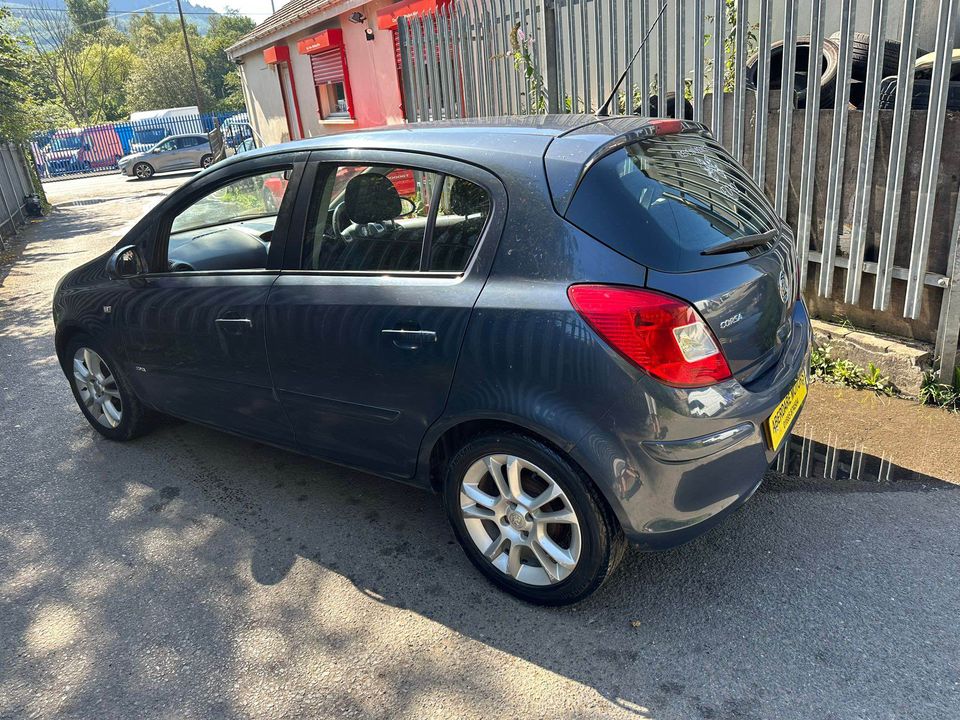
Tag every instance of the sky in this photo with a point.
(258, 10)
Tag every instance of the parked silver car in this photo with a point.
(177, 152)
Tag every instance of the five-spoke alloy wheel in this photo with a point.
(520, 519)
(97, 387)
(144, 171)
(529, 519)
(102, 391)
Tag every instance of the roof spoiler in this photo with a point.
(569, 156)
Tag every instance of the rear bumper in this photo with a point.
(673, 462)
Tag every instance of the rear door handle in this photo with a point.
(236, 321)
(410, 339)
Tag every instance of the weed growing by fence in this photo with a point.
(844, 372)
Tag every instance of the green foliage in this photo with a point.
(823, 366)
(220, 76)
(14, 91)
(88, 16)
(161, 78)
(521, 50)
(85, 71)
(934, 392)
(731, 46)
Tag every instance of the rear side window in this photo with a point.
(367, 218)
(664, 199)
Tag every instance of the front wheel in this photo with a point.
(529, 520)
(102, 392)
(143, 171)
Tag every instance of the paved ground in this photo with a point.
(193, 575)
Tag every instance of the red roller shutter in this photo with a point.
(327, 66)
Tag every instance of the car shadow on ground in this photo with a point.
(125, 565)
(728, 605)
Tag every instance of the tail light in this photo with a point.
(660, 334)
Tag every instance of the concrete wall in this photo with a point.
(264, 102)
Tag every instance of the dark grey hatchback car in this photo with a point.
(580, 331)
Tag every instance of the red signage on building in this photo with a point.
(321, 41)
(276, 54)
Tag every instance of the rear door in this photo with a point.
(679, 204)
(191, 150)
(364, 326)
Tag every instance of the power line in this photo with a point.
(120, 13)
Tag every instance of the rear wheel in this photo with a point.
(529, 520)
(143, 171)
(102, 392)
(206, 161)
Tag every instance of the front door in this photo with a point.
(364, 331)
(193, 328)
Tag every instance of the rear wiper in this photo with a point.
(746, 242)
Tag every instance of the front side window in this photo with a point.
(166, 145)
(230, 228)
(367, 218)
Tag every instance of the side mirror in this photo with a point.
(125, 262)
(157, 151)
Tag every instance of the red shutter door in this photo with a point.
(327, 66)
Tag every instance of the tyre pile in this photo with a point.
(830, 56)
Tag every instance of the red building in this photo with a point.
(321, 66)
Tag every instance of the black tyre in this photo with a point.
(891, 57)
(921, 94)
(143, 171)
(671, 102)
(529, 520)
(102, 391)
(828, 74)
(859, 55)
(206, 161)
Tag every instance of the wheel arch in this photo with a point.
(64, 334)
(444, 442)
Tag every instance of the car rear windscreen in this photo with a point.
(665, 199)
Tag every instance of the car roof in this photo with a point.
(470, 139)
(560, 144)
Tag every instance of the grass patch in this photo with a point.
(943, 395)
(839, 371)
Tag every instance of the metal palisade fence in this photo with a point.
(15, 188)
(834, 107)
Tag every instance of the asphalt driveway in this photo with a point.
(191, 574)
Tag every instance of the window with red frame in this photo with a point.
(330, 81)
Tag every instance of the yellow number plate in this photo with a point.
(779, 422)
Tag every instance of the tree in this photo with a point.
(160, 78)
(220, 75)
(88, 16)
(84, 72)
(14, 92)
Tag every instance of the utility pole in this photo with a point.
(218, 152)
(193, 71)
(273, 8)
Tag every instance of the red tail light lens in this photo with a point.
(662, 335)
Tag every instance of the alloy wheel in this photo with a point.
(97, 387)
(143, 171)
(520, 519)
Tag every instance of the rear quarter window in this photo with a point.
(663, 200)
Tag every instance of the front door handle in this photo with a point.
(410, 339)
